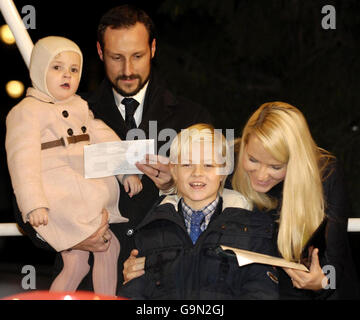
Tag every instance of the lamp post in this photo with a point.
(17, 27)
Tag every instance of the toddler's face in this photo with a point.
(63, 75)
(197, 177)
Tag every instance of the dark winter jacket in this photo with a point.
(177, 269)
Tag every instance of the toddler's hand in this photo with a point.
(38, 217)
(132, 185)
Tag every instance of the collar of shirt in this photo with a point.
(207, 210)
(139, 97)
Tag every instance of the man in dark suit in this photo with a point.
(127, 45)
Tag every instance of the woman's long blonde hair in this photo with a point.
(284, 133)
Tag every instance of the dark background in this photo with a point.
(230, 56)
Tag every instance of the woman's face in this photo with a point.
(264, 171)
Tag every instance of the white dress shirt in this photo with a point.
(139, 97)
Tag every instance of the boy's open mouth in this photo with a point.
(197, 185)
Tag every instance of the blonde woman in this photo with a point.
(281, 168)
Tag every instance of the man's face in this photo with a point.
(127, 58)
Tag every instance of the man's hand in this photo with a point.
(133, 267)
(100, 240)
(157, 169)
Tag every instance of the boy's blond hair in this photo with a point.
(214, 141)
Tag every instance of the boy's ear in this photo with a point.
(222, 179)
(172, 171)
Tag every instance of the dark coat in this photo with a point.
(337, 252)
(177, 269)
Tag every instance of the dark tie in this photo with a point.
(130, 108)
(196, 219)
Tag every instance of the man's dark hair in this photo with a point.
(124, 16)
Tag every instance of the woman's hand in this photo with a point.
(313, 280)
(157, 169)
(133, 267)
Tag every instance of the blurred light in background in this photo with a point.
(6, 35)
(15, 89)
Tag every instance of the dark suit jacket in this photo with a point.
(335, 254)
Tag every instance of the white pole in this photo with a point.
(353, 225)
(10, 229)
(17, 27)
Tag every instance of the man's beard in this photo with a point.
(131, 77)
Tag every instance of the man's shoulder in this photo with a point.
(98, 95)
(185, 102)
(176, 103)
(183, 106)
(171, 98)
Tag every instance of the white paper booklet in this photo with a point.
(245, 257)
(113, 158)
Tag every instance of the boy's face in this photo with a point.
(196, 177)
(63, 75)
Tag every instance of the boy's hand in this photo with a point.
(132, 185)
(38, 217)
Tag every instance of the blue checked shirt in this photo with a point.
(208, 212)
